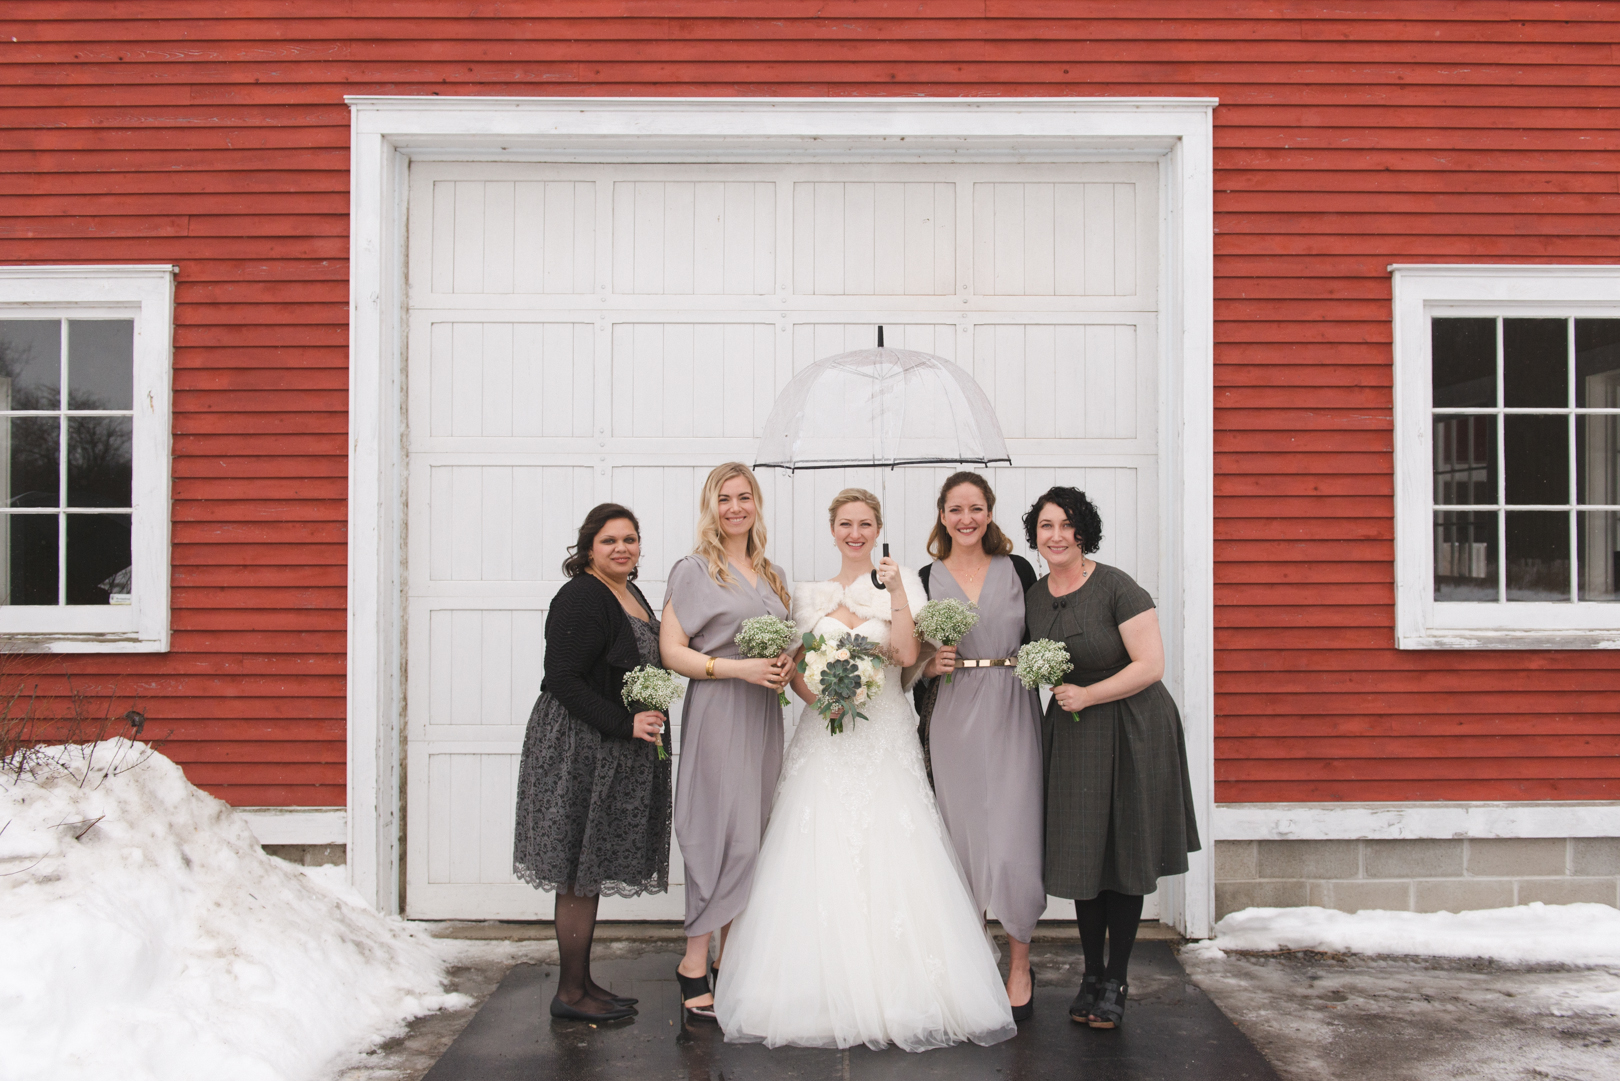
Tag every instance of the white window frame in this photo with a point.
(144, 294)
(1422, 293)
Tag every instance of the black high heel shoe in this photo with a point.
(1080, 1008)
(562, 1011)
(1109, 1012)
(1027, 1010)
(695, 987)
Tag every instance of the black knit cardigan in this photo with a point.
(589, 648)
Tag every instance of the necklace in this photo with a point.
(1085, 572)
(622, 593)
(965, 578)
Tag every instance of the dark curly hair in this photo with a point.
(1081, 512)
(579, 553)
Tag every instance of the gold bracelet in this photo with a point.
(708, 669)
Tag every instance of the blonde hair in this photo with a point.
(996, 543)
(854, 495)
(709, 544)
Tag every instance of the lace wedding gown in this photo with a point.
(859, 927)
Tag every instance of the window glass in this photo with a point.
(98, 560)
(1597, 363)
(1537, 555)
(1536, 456)
(1465, 556)
(1597, 459)
(101, 374)
(30, 363)
(1465, 460)
(1598, 536)
(1535, 363)
(1464, 368)
(99, 461)
(92, 434)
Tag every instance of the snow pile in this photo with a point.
(148, 936)
(1580, 934)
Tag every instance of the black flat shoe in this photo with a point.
(1109, 1012)
(617, 1000)
(1027, 1010)
(695, 987)
(562, 1011)
(1080, 1008)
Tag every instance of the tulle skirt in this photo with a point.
(860, 928)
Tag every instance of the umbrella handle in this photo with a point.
(875, 581)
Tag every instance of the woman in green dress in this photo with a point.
(1119, 810)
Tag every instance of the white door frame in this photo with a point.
(388, 132)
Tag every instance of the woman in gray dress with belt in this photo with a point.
(593, 795)
(1119, 810)
(731, 726)
(984, 733)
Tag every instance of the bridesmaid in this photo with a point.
(593, 796)
(1119, 809)
(731, 730)
(984, 735)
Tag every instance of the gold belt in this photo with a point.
(995, 662)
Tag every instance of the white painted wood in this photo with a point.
(1422, 292)
(1048, 140)
(1413, 821)
(144, 295)
(297, 825)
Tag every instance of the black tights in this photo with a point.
(576, 927)
(1114, 916)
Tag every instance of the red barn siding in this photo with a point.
(1414, 131)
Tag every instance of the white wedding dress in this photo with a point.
(860, 928)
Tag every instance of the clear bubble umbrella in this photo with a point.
(881, 408)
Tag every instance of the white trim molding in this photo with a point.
(1420, 293)
(297, 825)
(145, 296)
(389, 132)
(1413, 821)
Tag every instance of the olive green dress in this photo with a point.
(1119, 809)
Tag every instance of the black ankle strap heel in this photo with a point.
(695, 987)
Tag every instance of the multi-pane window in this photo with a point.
(1526, 459)
(66, 426)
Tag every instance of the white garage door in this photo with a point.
(581, 333)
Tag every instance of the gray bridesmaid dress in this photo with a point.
(731, 747)
(1119, 809)
(984, 739)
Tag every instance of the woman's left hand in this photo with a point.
(1072, 698)
(888, 572)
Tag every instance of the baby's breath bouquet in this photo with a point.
(845, 674)
(654, 688)
(946, 621)
(1044, 663)
(766, 636)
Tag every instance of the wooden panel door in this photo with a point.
(579, 333)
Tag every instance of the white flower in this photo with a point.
(842, 654)
(860, 696)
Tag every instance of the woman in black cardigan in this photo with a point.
(593, 799)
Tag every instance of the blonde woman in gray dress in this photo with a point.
(984, 732)
(731, 726)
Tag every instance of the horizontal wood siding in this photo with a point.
(1348, 137)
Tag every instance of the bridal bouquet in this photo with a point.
(1044, 663)
(766, 636)
(946, 621)
(844, 675)
(654, 688)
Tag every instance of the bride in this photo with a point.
(859, 927)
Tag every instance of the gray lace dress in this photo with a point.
(592, 811)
